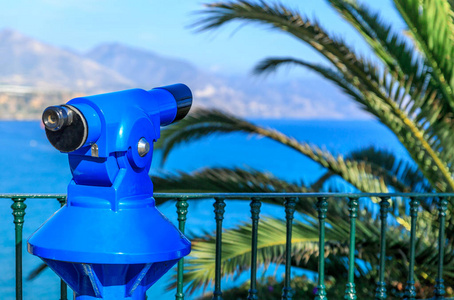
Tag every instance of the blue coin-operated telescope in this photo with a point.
(109, 241)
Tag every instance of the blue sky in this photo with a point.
(163, 26)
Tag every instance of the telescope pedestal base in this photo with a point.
(110, 281)
(106, 254)
(114, 294)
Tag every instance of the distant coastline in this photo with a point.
(26, 103)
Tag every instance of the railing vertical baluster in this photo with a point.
(440, 287)
(63, 290)
(380, 292)
(290, 204)
(63, 286)
(18, 207)
(182, 210)
(62, 201)
(410, 290)
(350, 291)
(255, 212)
(322, 208)
(219, 209)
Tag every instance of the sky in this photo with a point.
(165, 28)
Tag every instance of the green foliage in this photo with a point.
(204, 122)
(236, 250)
(270, 289)
(412, 109)
(408, 86)
(225, 180)
(401, 174)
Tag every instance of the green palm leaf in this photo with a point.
(426, 148)
(236, 255)
(206, 122)
(392, 48)
(411, 93)
(404, 63)
(225, 180)
(396, 52)
(401, 174)
(430, 24)
(382, 94)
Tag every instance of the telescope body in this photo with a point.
(110, 241)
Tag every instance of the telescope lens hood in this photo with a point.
(183, 97)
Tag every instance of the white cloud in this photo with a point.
(207, 91)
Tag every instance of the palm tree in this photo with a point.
(371, 170)
(408, 87)
(409, 91)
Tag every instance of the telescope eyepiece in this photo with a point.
(66, 127)
(57, 117)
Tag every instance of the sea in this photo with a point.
(29, 164)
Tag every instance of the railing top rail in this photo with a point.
(296, 195)
(30, 196)
(255, 195)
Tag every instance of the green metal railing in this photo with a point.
(289, 201)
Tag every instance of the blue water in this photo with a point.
(29, 164)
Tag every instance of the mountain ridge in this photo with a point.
(50, 72)
(27, 61)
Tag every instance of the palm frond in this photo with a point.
(451, 2)
(277, 16)
(431, 25)
(397, 53)
(320, 182)
(392, 48)
(199, 124)
(225, 180)
(203, 122)
(236, 255)
(409, 177)
(427, 141)
(377, 87)
(248, 180)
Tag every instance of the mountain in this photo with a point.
(27, 62)
(144, 67)
(240, 96)
(51, 73)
